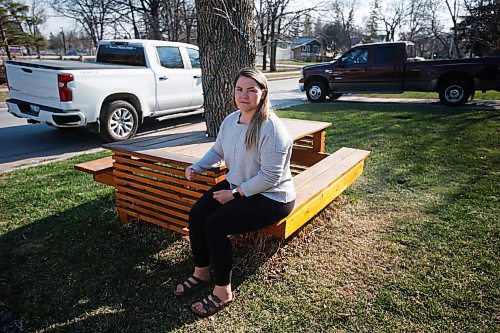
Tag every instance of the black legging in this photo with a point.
(210, 222)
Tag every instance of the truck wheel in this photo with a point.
(316, 92)
(119, 121)
(454, 92)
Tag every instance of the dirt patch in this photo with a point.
(345, 250)
(351, 250)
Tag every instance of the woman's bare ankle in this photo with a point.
(224, 293)
(202, 273)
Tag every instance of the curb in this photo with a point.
(282, 78)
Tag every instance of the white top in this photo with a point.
(265, 169)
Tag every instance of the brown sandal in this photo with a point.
(190, 287)
(211, 306)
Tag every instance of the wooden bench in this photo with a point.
(158, 193)
(101, 169)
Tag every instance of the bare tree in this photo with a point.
(189, 16)
(274, 17)
(453, 10)
(344, 15)
(179, 18)
(435, 28)
(262, 19)
(174, 20)
(34, 18)
(226, 39)
(392, 15)
(131, 21)
(95, 16)
(415, 19)
(151, 11)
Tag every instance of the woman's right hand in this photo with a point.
(190, 173)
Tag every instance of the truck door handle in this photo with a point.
(329, 71)
(197, 77)
(163, 78)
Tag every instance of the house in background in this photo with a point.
(283, 51)
(307, 49)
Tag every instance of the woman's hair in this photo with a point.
(264, 109)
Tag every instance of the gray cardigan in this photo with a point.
(264, 170)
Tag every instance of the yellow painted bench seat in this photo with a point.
(318, 185)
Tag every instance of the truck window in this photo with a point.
(121, 55)
(358, 56)
(386, 55)
(170, 56)
(194, 57)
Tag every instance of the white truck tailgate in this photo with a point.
(38, 85)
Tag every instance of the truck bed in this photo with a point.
(67, 64)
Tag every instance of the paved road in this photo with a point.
(23, 144)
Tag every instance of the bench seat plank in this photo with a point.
(318, 186)
(101, 169)
(96, 166)
(320, 167)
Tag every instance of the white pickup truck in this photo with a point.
(129, 81)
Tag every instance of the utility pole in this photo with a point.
(63, 40)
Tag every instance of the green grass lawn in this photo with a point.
(411, 246)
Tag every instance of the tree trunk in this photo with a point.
(264, 55)
(263, 42)
(5, 41)
(226, 41)
(272, 46)
(132, 17)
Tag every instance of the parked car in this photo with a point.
(392, 68)
(130, 81)
(74, 53)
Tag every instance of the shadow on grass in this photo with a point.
(85, 272)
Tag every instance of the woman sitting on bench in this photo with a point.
(258, 190)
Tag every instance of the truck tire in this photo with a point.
(316, 91)
(119, 121)
(454, 92)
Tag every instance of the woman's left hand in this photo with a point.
(223, 196)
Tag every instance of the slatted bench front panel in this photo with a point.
(157, 192)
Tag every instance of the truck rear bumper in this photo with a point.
(44, 114)
(301, 84)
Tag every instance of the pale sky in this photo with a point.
(54, 23)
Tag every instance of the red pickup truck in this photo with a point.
(389, 68)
